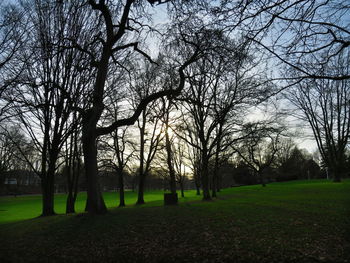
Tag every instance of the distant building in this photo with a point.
(10, 181)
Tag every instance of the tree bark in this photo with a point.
(196, 182)
(262, 179)
(182, 189)
(205, 177)
(95, 203)
(140, 200)
(70, 184)
(337, 174)
(48, 183)
(70, 205)
(121, 190)
(73, 188)
(142, 175)
(169, 158)
(48, 190)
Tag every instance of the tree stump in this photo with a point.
(170, 199)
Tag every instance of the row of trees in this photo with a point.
(77, 75)
(283, 161)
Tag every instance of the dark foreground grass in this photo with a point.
(284, 222)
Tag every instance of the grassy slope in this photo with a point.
(284, 222)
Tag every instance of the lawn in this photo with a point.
(26, 207)
(300, 221)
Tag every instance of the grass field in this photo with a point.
(300, 221)
(26, 207)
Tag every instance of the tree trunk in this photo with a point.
(196, 182)
(70, 205)
(47, 178)
(205, 177)
(182, 189)
(140, 200)
(169, 156)
(48, 190)
(76, 183)
(74, 188)
(198, 189)
(48, 184)
(262, 179)
(73, 172)
(219, 181)
(216, 166)
(95, 203)
(336, 175)
(213, 190)
(121, 190)
(70, 184)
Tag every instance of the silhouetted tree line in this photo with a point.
(92, 89)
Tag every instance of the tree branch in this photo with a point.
(144, 102)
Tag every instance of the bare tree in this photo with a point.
(171, 156)
(192, 153)
(153, 133)
(12, 28)
(284, 151)
(258, 147)
(73, 164)
(49, 88)
(303, 35)
(119, 23)
(220, 84)
(324, 105)
(169, 150)
(118, 149)
(10, 140)
(179, 165)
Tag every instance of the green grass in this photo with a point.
(301, 221)
(26, 207)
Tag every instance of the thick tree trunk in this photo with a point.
(337, 175)
(70, 205)
(121, 189)
(142, 175)
(95, 203)
(198, 190)
(48, 191)
(262, 179)
(48, 184)
(47, 178)
(169, 162)
(140, 200)
(205, 177)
